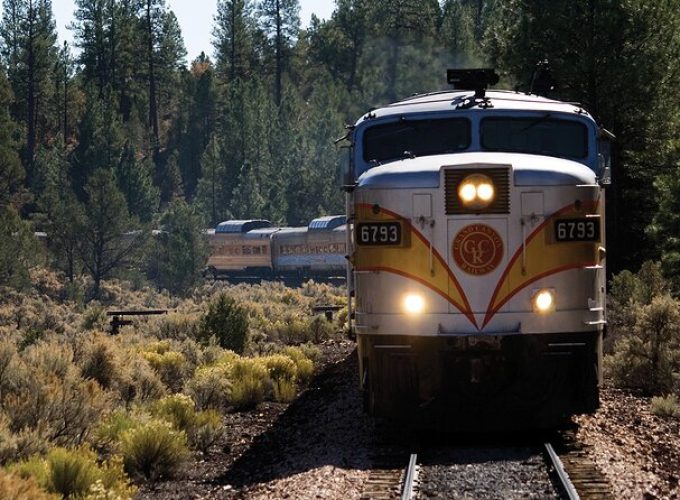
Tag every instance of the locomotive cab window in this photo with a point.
(393, 141)
(539, 135)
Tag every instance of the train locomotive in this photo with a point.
(477, 256)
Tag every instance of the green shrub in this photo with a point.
(666, 406)
(74, 472)
(321, 329)
(284, 390)
(208, 429)
(63, 407)
(171, 367)
(300, 356)
(109, 432)
(94, 318)
(648, 357)
(227, 322)
(100, 363)
(210, 387)
(250, 383)
(153, 450)
(177, 327)
(14, 487)
(141, 382)
(279, 367)
(177, 409)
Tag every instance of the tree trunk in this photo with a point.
(279, 55)
(31, 104)
(153, 104)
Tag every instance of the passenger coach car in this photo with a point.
(255, 249)
(478, 256)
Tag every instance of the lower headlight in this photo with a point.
(413, 303)
(544, 301)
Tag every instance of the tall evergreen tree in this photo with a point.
(12, 172)
(29, 35)
(233, 39)
(108, 240)
(195, 123)
(281, 22)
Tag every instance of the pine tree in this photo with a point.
(29, 33)
(180, 249)
(108, 239)
(101, 141)
(233, 35)
(280, 21)
(458, 31)
(12, 172)
(135, 181)
(195, 123)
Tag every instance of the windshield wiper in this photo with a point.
(537, 121)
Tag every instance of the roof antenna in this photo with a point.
(542, 81)
(472, 79)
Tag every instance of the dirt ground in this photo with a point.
(318, 446)
(638, 452)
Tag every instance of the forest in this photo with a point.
(120, 133)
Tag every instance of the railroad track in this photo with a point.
(440, 473)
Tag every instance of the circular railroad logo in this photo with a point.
(477, 249)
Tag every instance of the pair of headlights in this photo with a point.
(476, 191)
(543, 302)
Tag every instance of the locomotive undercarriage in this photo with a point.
(481, 382)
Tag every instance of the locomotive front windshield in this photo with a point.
(393, 141)
(541, 135)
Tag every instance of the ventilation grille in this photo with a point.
(501, 180)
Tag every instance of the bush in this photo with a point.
(210, 387)
(178, 410)
(300, 356)
(74, 473)
(321, 329)
(227, 322)
(110, 431)
(250, 383)
(666, 406)
(49, 396)
(100, 363)
(208, 429)
(171, 367)
(649, 357)
(284, 390)
(153, 450)
(14, 487)
(141, 383)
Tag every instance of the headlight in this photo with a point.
(544, 301)
(476, 191)
(413, 303)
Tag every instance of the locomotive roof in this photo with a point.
(424, 172)
(241, 226)
(465, 100)
(327, 223)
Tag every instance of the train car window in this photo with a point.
(257, 250)
(247, 250)
(540, 135)
(391, 141)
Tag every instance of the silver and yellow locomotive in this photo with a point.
(477, 257)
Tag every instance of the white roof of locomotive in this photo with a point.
(452, 101)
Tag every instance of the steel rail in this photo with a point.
(409, 478)
(562, 475)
